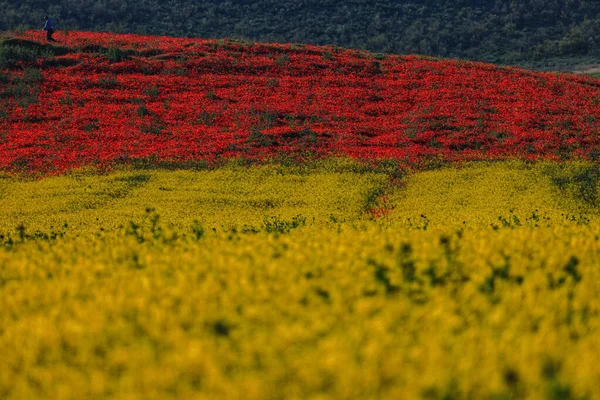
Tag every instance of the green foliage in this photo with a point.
(206, 118)
(116, 54)
(91, 125)
(108, 82)
(581, 181)
(152, 91)
(142, 111)
(23, 87)
(278, 225)
(15, 52)
(32, 75)
(372, 198)
(66, 101)
(282, 60)
(258, 139)
(11, 56)
(154, 127)
(306, 134)
(525, 31)
(197, 230)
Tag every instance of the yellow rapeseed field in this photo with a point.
(328, 281)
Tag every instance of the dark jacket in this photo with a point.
(49, 25)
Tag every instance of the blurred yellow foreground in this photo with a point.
(329, 281)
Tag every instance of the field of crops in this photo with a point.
(280, 282)
(193, 219)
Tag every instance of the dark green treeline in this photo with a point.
(503, 31)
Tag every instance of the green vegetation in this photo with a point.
(24, 87)
(528, 32)
(14, 51)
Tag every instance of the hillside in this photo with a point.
(101, 98)
(534, 32)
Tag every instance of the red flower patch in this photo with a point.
(118, 98)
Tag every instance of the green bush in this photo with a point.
(11, 56)
(116, 54)
(108, 82)
(32, 75)
(142, 111)
(14, 52)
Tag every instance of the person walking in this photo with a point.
(49, 28)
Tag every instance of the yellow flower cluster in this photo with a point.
(225, 198)
(479, 282)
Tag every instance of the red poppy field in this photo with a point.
(106, 98)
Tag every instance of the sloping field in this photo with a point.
(98, 99)
(194, 219)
